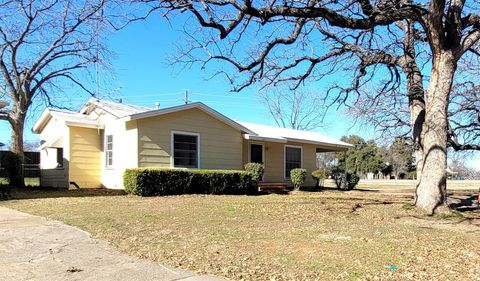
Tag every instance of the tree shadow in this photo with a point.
(464, 204)
(7, 193)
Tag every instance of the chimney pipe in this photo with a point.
(157, 105)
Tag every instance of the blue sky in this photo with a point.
(141, 75)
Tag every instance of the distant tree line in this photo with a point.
(370, 160)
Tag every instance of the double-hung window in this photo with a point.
(293, 159)
(186, 150)
(109, 151)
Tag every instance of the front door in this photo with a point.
(256, 153)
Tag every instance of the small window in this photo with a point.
(109, 150)
(59, 157)
(293, 159)
(185, 150)
(256, 153)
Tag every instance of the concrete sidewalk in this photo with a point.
(34, 248)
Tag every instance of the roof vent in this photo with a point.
(157, 105)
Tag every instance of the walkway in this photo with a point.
(34, 248)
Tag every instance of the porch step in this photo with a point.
(271, 185)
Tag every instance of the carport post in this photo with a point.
(345, 183)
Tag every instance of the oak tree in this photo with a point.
(274, 42)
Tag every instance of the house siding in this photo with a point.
(220, 144)
(85, 153)
(50, 175)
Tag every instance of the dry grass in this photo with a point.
(409, 185)
(301, 236)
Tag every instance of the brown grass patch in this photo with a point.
(301, 236)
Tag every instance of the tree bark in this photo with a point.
(16, 119)
(431, 190)
(417, 111)
(16, 145)
(417, 115)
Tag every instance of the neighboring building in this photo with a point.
(93, 147)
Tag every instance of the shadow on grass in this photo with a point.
(7, 193)
(464, 204)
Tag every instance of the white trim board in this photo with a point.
(263, 151)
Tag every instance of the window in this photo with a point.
(109, 151)
(185, 150)
(59, 157)
(293, 159)
(256, 153)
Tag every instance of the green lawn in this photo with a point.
(301, 236)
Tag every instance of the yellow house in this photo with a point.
(93, 147)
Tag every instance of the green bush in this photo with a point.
(156, 181)
(13, 168)
(352, 181)
(319, 176)
(256, 169)
(298, 177)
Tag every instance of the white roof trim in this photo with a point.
(259, 138)
(49, 143)
(44, 117)
(198, 105)
(84, 124)
(321, 143)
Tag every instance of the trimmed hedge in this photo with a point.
(256, 169)
(319, 176)
(352, 181)
(158, 181)
(298, 177)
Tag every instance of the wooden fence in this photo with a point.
(30, 167)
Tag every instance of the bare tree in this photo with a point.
(300, 109)
(45, 45)
(294, 41)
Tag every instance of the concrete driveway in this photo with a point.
(34, 248)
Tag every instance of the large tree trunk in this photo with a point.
(431, 190)
(17, 123)
(415, 93)
(417, 115)
(16, 145)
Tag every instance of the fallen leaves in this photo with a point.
(302, 236)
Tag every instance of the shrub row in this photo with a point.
(157, 181)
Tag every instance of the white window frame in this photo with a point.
(263, 151)
(285, 158)
(172, 133)
(107, 166)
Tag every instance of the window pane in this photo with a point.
(109, 150)
(185, 151)
(293, 159)
(256, 153)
